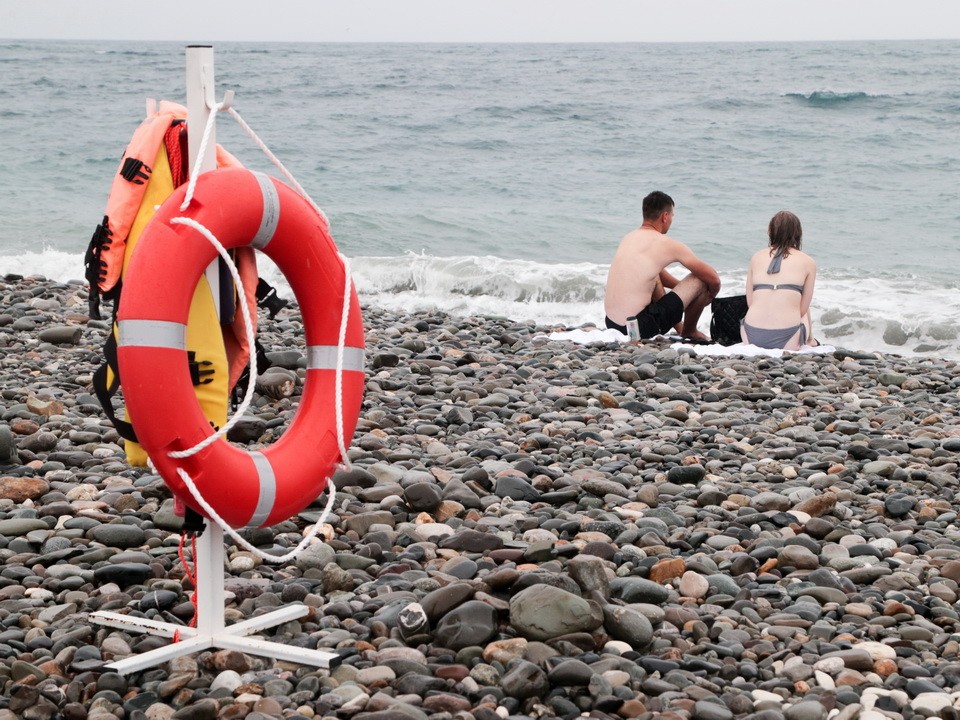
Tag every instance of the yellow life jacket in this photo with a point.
(153, 165)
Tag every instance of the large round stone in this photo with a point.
(542, 612)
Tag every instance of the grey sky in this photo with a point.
(481, 20)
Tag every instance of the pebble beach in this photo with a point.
(529, 529)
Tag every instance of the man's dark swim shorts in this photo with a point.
(657, 318)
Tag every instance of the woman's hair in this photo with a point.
(785, 232)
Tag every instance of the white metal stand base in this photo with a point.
(211, 631)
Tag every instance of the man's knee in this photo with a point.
(689, 289)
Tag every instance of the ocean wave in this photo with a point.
(833, 98)
(899, 314)
(132, 53)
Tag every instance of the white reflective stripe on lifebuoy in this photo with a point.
(268, 489)
(271, 212)
(152, 333)
(324, 357)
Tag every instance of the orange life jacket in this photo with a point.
(153, 165)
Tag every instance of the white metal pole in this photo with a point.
(200, 98)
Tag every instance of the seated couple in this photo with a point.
(780, 283)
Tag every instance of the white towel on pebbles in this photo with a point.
(585, 336)
(750, 350)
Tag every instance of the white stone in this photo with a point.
(617, 646)
(617, 678)
(931, 702)
(694, 585)
(228, 680)
(833, 550)
(852, 539)
(470, 685)
(377, 673)
(877, 650)
(355, 704)
(823, 680)
(831, 665)
(244, 699)
(241, 564)
(765, 696)
(400, 653)
(538, 535)
(429, 530)
(159, 711)
(83, 492)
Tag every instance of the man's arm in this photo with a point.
(668, 280)
(699, 268)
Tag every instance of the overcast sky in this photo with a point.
(481, 20)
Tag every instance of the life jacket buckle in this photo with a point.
(198, 371)
(136, 171)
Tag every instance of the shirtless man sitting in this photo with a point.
(638, 281)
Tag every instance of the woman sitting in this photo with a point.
(779, 289)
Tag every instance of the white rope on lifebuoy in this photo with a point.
(248, 327)
(276, 161)
(198, 163)
(236, 537)
(248, 398)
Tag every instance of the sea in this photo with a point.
(498, 179)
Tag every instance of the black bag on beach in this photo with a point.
(727, 314)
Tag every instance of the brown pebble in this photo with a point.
(667, 569)
(452, 672)
(268, 706)
(44, 408)
(951, 570)
(818, 505)
(631, 708)
(20, 426)
(884, 667)
(446, 703)
(850, 677)
(20, 489)
(503, 651)
(230, 660)
(608, 400)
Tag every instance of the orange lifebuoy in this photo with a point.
(241, 208)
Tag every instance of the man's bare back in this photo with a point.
(639, 277)
(634, 278)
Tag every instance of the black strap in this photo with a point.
(263, 362)
(105, 391)
(228, 295)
